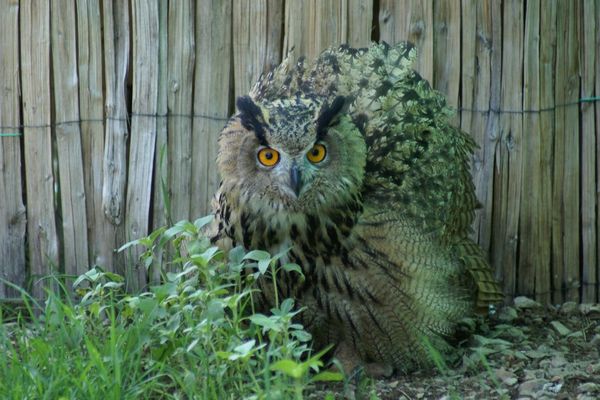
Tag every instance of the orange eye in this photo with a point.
(317, 153)
(268, 157)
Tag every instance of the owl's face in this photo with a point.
(292, 156)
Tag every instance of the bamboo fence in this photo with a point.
(110, 112)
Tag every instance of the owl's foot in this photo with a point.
(352, 364)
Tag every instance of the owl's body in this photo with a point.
(351, 164)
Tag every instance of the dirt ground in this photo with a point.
(525, 351)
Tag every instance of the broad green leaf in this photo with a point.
(164, 290)
(113, 285)
(201, 222)
(257, 255)
(114, 277)
(302, 336)
(129, 244)
(266, 322)
(245, 348)
(214, 310)
(263, 265)
(180, 227)
(223, 354)
(328, 376)
(236, 255)
(286, 306)
(293, 267)
(204, 258)
(290, 368)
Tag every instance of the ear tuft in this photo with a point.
(252, 118)
(328, 114)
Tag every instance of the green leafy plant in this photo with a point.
(194, 335)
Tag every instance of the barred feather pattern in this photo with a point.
(380, 231)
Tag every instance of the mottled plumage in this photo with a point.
(379, 225)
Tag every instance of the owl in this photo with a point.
(349, 165)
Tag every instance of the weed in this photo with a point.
(196, 335)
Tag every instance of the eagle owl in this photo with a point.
(350, 162)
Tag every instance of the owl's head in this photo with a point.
(292, 155)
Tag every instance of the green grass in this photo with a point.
(197, 335)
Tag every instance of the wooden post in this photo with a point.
(180, 67)
(589, 183)
(507, 182)
(143, 130)
(330, 28)
(256, 40)
(480, 76)
(446, 37)
(532, 212)
(35, 65)
(566, 195)
(543, 282)
(493, 136)
(313, 26)
(12, 211)
(597, 18)
(68, 138)
(160, 200)
(297, 30)
(411, 20)
(360, 23)
(114, 169)
(211, 97)
(101, 233)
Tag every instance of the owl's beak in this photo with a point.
(295, 179)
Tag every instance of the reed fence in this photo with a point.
(110, 110)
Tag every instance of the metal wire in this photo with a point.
(16, 131)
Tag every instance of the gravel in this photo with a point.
(525, 351)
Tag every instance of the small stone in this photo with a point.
(507, 377)
(393, 384)
(588, 387)
(586, 397)
(522, 302)
(584, 308)
(507, 314)
(530, 375)
(590, 310)
(560, 328)
(530, 388)
(593, 369)
(576, 335)
(536, 354)
(510, 381)
(552, 387)
(569, 308)
(558, 361)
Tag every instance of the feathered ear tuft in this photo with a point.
(328, 114)
(251, 117)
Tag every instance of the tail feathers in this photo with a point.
(487, 288)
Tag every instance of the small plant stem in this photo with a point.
(113, 348)
(274, 274)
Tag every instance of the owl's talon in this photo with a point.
(354, 367)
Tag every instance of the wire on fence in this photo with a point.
(16, 130)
